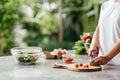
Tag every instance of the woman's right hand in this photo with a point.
(93, 50)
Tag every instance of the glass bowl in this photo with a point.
(26, 55)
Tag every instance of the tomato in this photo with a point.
(85, 37)
(68, 60)
(80, 64)
(76, 65)
(90, 64)
(86, 65)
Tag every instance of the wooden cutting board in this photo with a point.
(79, 69)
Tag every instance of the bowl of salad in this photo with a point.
(26, 55)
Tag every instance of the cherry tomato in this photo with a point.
(86, 65)
(90, 64)
(85, 37)
(68, 60)
(76, 65)
(80, 64)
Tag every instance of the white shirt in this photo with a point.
(109, 28)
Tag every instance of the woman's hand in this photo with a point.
(105, 59)
(94, 47)
(100, 61)
(93, 51)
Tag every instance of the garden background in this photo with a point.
(45, 23)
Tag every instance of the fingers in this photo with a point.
(97, 62)
(92, 52)
(100, 61)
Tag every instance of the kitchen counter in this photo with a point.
(9, 70)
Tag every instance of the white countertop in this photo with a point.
(9, 70)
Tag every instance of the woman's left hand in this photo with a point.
(100, 61)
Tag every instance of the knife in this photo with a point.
(92, 58)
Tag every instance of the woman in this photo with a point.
(106, 37)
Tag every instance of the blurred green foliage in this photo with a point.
(79, 47)
(82, 15)
(8, 18)
(79, 16)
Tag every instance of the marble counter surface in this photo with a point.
(9, 70)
